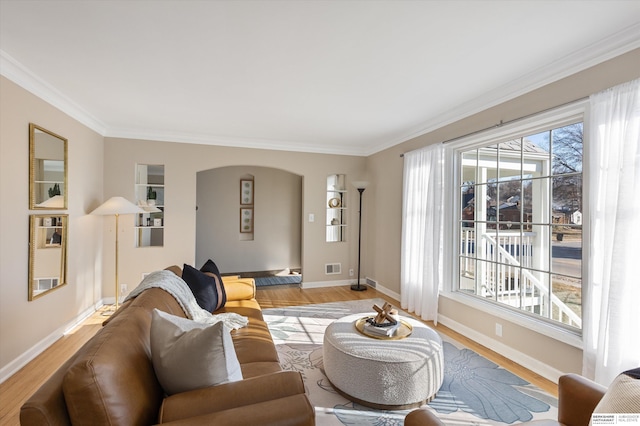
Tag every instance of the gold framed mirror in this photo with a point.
(47, 169)
(47, 253)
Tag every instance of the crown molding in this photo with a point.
(23, 77)
(234, 142)
(608, 48)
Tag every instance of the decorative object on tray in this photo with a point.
(384, 315)
(403, 330)
(386, 324)
(387, 329)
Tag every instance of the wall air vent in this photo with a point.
(371, 282)
(333, 268)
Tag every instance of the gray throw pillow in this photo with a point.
(189, 355)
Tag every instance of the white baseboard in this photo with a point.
(320, 284)
(390, 293)
(518, 357)
(11, 368)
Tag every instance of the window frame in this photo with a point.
(549, 119)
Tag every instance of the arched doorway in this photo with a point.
(274, 243)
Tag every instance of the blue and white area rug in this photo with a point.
(475, 390)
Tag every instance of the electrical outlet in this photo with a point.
(498, 329)
(351, 272)
(123, 289)
(312, 217)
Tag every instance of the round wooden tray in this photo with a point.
(402, 332)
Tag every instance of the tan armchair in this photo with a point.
(577, 398)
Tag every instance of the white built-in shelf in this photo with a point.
(149, 188)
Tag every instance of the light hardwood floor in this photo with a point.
(17, 389)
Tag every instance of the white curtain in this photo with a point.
(611, 326)
(422, 231)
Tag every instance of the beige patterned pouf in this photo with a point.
(384, 374)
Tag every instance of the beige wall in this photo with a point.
(182, 163)
(385, 205)
(275, 242)
(23, 324)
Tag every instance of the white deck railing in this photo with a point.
(504, 275)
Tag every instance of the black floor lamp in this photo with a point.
(360, 186)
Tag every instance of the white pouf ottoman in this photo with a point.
(383, 374)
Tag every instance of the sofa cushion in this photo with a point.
(247, 308)
(232, 395)
(623, 396)
(206, 288)
(189, 355)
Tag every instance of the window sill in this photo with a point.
(547, 329)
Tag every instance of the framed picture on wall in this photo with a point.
(246, 220)
(246, 192)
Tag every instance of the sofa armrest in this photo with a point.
(422, 417)
(46, 406)
(239, 288)
(231, 395)
(577, 398)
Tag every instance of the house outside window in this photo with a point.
(519, 219)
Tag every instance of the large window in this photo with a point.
(520, 222)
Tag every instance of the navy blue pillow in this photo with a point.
(210, 266)
(635, 373)
(211, 269)
(204, 287)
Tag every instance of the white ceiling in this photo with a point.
(348, 77)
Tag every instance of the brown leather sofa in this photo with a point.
(577, 398)
(111, 380)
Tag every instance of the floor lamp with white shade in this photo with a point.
(360, 186)
(115, 206)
